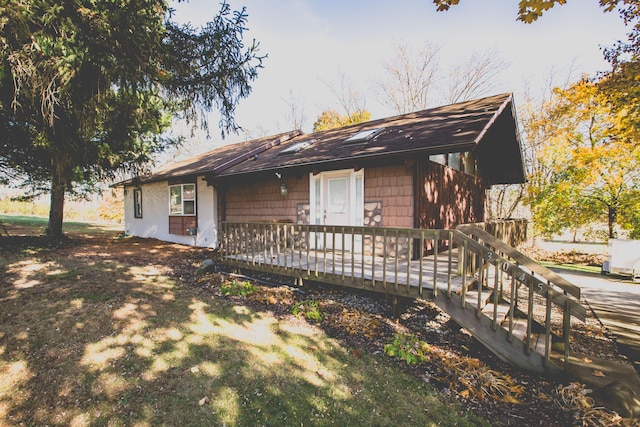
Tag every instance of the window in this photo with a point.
(182, 199)
(137, 203)
(364, 136)
(298, 146)
(454, 161)
(439, 158)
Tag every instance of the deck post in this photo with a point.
(421, 268)
(566, 328)
(547, 329)
(449, 262)
(529, 319)
(343, 252)
(480, 285)
(435, 261)
(465, 255)
(384, 258)
(497, 291)
(396, 260)
(362, 252)
(512, 307)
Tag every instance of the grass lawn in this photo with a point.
(34, 225)
(571, 267)
(97, 332)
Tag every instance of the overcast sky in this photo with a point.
(310, 42)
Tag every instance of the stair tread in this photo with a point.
(502, 311)
(520, 332)
(471, 297)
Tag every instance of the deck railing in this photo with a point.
(480, 273)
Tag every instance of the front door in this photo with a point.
(337, 199)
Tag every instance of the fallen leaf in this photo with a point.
(507, 398)
(544, 397)
(599, 374)
(587, 360)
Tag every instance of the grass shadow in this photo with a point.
(98, 332)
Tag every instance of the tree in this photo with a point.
(620, 84)
(589, 167)
(475, 76)
(411, 76)
(530, 10)
(350, 99)
(296, 115)
(88, 87)
(331, 119)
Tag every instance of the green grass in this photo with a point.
(90, 335)
(37, 225)
(571, 267)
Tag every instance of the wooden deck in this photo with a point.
(399, 276)
(503, 298)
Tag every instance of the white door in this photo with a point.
(336, 200)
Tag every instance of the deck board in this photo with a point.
(355, 267)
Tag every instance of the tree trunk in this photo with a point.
(56, 208)
(613, 217)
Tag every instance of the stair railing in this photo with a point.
(518, 280)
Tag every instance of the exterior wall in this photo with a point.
(155, 215)
(393, 186)
(261, 201)
(447, 197)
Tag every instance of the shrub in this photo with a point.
(308, 308)
(407, 347)
(238, 288)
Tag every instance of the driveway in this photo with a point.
(616, 302)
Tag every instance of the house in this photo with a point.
(428, 169)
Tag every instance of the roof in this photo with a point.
(485, 126)
(214, 161)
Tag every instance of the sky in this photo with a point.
(310, 43)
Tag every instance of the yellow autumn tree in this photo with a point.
(331, 119)
(587, 165)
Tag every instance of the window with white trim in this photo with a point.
(137, 203)
(182, 199)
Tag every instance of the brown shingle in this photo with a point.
(486, 126)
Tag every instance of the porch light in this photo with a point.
(283, 189)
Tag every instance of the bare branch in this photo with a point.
(411, 75)
(476, 76)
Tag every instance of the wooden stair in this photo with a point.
(514, 337)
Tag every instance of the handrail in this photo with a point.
(521, 259)
(514, 269)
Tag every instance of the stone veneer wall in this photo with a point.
(389, 203)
